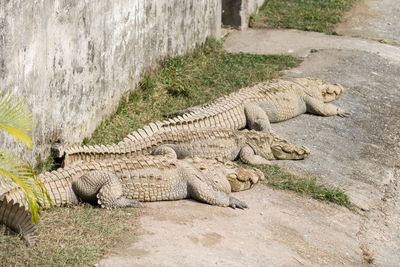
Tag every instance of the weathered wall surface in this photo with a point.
(75, 59)
(249, 7)
(237, 13)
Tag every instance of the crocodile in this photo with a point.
(250, 147)
(256, 106)
(126, 182)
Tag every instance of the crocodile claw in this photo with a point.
(343, 113)
(236, 203)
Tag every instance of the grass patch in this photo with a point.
(203, 75)
(278, 178)
(76, 236)
(306, 15)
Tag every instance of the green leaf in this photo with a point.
(15, 118)
(18, 171)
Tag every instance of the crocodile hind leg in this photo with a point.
(256, 118)
(318, 107)
(104, 187)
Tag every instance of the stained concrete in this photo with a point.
(279, 229)
(75, 60)
(373, 19)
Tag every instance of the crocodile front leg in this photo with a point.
(318, 107)
(256, 118)
(104, 187)
(201, 191)
(248, 156)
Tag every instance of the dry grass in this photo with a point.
(76, 236)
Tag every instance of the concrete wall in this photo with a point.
(75, 59)
(237, 13)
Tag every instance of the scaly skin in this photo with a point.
(251, 147)
(255, 107)
(123, 182)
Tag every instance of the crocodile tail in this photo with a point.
(16, 217)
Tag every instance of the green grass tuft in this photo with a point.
(306, 15)
(278, 178)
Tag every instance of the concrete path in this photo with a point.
(279, 229)
(359, 154)
(373, 19)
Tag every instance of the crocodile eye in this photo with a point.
(229, 164)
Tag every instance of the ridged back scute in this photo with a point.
(11, 191)
(135, 145)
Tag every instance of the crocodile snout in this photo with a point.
(332, 92)
(244, 178)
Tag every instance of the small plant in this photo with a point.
(47, 165)
(86, 141)
(314, 50)
(16, 119)
(147, 83)
(253, 18)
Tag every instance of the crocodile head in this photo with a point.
(227, 176)
(282, 149)
(259, 141)
(320, 89)
(330, 92)
(271, 146)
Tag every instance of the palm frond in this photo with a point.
(16, 118)
(17, 170)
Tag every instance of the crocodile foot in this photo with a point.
(343, 113)
(236, 203)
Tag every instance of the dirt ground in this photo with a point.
(359, 154)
